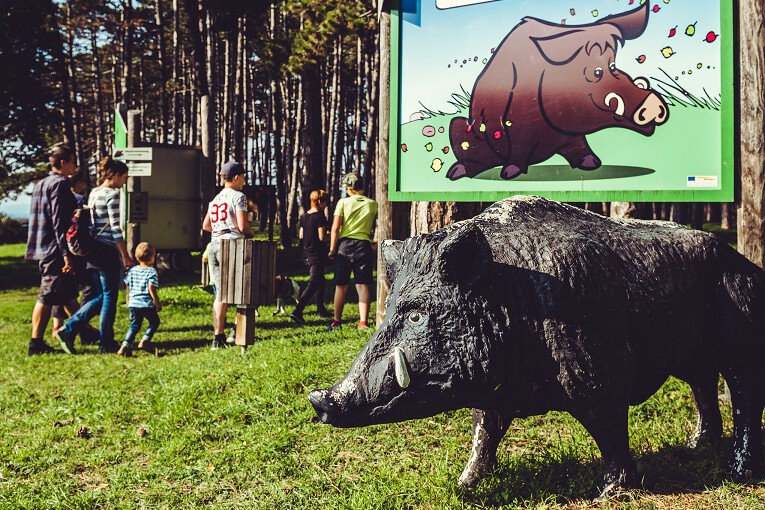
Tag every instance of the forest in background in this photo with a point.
(290, 86)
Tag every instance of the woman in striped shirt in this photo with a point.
(108, 257)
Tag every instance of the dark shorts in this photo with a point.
(87, 281)
(357, 256)
(56, 288)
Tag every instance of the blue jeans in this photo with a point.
(137, 315)
(106, 282)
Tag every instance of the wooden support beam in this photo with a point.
(751, 212)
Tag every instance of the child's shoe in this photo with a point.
(362, 326)
(125, 350)
(219, 342)
(89, 336)
(297, 318)
(334, 326)
(66, 341)
(146, 345)
(108, 347)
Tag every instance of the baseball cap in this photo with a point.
(353, 181)
(231, 170)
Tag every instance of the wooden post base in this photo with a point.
(245, 326)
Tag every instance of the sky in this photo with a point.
(17, 208)
(467, 34)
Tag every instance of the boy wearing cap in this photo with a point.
(351, 246)
(226, 218)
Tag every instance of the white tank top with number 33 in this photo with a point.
(222, 212)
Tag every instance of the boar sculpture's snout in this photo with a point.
(324, 407)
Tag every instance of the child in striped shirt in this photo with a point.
(142, 283)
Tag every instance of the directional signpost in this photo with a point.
(138, 160)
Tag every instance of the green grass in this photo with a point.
(230, 431)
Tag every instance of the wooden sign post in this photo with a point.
(247, 273)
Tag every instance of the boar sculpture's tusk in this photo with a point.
(619, 102)
(402, 375)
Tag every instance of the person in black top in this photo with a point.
(313, 232)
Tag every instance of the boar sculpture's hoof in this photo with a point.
(589, 162)
(511, 172)
(457, 171)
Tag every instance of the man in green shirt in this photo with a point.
(351, 247)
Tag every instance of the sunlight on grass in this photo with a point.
(201, 429)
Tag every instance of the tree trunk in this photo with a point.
(340, 120)
(427, 217)
(176, 72)
(66, 99)
(751, 212)
(237, 133)
(312, 146)
(207, 115)
(358, 106)
(296, 152)
(626, 210)
(392, 217)
(127, 52)
(98, 98)
(331, 127)
(277, 128)
(372, 136)
(162, 63)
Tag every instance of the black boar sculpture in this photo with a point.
(535, 306)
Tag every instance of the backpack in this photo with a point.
(79, 239)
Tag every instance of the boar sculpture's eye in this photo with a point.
(612, 66)
(598, 72)
(415, 317)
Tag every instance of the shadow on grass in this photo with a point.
(183, 344)
(18, 273)
(672, 470)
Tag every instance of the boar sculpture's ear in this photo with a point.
(391, 255)
(464, 256)
(631, 23)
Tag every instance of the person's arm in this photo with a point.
(243, 223)
(300, 233)
(127, 293)
(206, 223)
(113, 212)
(321, 231)
(62, 207)
(334, 234)
(154, 293)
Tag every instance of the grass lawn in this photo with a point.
(201, 429)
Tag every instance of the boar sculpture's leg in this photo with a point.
(607, 425)
(488, 429)
(747, 430)
(709, 424)
(579, 154)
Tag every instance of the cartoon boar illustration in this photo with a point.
(534, 306)
(545, 88)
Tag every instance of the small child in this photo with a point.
(143, 300)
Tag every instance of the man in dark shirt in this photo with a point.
(50, 216)
(313, 232)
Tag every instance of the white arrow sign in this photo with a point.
(449, 4)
